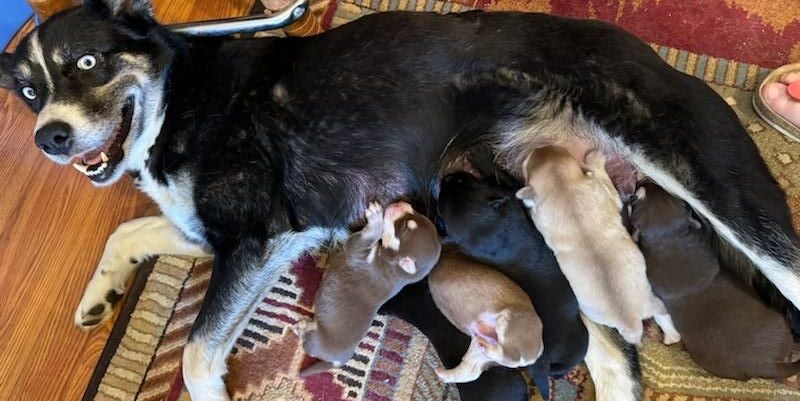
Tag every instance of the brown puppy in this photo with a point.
(489, 307)
(726, 329)
(394, 249)
(578, 214)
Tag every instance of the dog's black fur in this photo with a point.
(277, 135)
(488, 223)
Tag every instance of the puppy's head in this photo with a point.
(654, 213)
(550, 166)
(511, 337)
(476, 214)
(410, 239)
(95, 76)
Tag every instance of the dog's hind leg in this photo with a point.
(131, 243)
(613, 364)
(240, 276)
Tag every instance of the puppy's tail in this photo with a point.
(316, 367)
(783, 370)
(613, 364)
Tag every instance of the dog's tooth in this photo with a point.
(103, 157)
(82, 168)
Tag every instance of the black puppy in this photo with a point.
(415, 305)
(488, 223)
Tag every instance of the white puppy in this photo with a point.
(578, 213)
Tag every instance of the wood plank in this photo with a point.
(53, 225)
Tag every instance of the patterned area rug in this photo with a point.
(394, 361)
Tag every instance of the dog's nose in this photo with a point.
(54, 138)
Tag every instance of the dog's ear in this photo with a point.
(121, 8)
(6, 71)
(485, 328)
(408, 265)
(526, 192)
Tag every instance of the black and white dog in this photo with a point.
(259, 149)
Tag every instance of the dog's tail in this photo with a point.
(613, 364)
(784, 370)
(315, 368)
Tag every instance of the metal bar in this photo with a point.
(253, 23)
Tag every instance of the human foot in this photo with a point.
(783, 97)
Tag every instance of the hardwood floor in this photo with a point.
(53, 225)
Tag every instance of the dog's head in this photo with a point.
(95, 76)
(654, 214)
(410, 239)
(480, 217)
(550, 167)
(511, 337)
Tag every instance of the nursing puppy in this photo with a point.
(393, 249)
(578, 214)
(415, 305)
(726, 329)
(484, 219)
(492, 309)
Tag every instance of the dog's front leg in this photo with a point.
(131, 243)
(240, 276)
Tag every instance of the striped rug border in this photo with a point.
(143, 328)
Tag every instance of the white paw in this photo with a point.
(672, 338)
(103, 291)
(374, 217)
(374, 213)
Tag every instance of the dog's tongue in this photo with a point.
(93, 158)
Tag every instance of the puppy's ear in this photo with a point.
(121, 8)
(640, 193)
(526, 192)
(595, 159)
(6, 71)
(408, 265)
(485, 328)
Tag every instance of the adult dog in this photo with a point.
(259, 149)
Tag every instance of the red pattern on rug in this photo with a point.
(763, 32)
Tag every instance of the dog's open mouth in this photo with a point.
(100, 163)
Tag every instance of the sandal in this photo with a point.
(764, 111)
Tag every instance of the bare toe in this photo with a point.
(776, 95)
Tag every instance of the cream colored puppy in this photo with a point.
(578, 214)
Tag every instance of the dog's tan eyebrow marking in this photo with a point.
(25, 71)
(58, 56)
(37, 57)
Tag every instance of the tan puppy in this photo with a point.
(578, 214)
(393, 250)
(489, 307)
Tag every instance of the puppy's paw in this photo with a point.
(374, 213)
(671, 338)
(303, 326)
(97, 304)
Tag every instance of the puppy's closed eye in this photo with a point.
(498, 202)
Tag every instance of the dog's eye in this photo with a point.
(87, 62)
(29, 93)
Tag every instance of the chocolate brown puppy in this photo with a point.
(489, 307)
(726, 329)
(393, 250)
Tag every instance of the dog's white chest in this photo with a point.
(176, 201)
